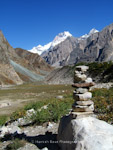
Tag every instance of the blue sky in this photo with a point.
(27, 23)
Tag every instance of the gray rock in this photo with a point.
(88, 80)
(79, 77)
(78, 72)
(82, 68)
(102, 85)
(82, 97)
(81, 90)
(59, 97)
(84, 103)
(45, 148)
(10, 129)
(30, 112)
(4, 105)
(83, 85)
(24, 121)
(76, 115)
(85, 133)
(82, 108)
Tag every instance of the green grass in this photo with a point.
(56, 108)
(15, 144)
(21, 95)
(3, 119)
(103, 100)
(99, 68)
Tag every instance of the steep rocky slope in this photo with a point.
(7, 72)
(17, 66)
(33, 60)
(60, 52)
(62, 75)
(99, 47)
(96, 46)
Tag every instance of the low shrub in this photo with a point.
(103, 100)
(55, 110)
(18, 114)
(15, 144)
(3, 120)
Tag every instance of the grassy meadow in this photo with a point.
(28, 96)
(37, 96)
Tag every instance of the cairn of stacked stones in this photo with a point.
(83, 104)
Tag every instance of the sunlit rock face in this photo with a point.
(86, 133)
(95, 46)
(18, 65)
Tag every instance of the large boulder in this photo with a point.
(87, 133)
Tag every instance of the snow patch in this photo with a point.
(92, 31)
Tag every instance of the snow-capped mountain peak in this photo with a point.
(60, 38)
(92, 31)
(57, 40)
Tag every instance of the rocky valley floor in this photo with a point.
(15, 97)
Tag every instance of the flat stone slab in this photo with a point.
(78, 108)
(83, 85)
(76, 115)
(82, 97)
(81, 90)
(84, 103)
(82, 68)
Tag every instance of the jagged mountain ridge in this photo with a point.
(17, 66)
(60, 54)
(96, 46)
(57, 40)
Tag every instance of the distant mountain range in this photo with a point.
(57, 40)
(19, 65)
(94, 46)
